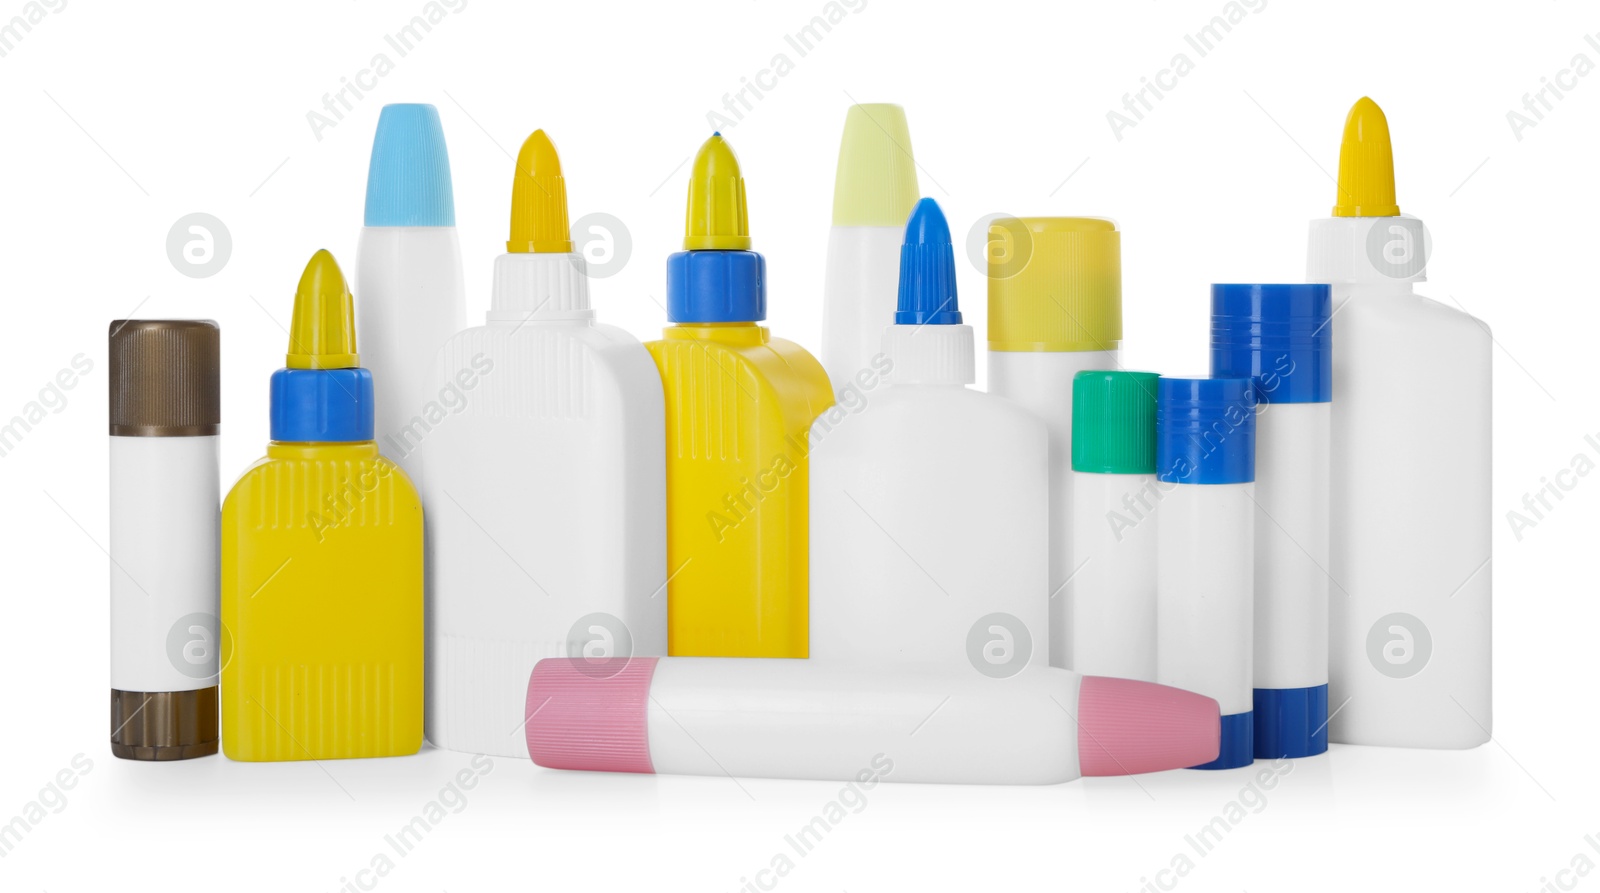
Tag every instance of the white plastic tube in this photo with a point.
(875, 187)
(165, 414)
(1281, 336)
(1409, 656)
(410, 297)
(1205, 545)
(858, 297)
(1041, 382)
(808, 719)
(1111, 624)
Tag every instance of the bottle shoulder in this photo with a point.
(776, 367)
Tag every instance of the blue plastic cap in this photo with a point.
(1206, 430)
(1291, 722)
(1237, 746)
(716, 286)
(322, 405)
(1280, 335)
(927, 270)
(408, 179)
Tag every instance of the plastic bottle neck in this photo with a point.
(930, 355)
(534, 286)
(354, 450)
(744, 333)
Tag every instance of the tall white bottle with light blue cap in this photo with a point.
(408, 277)
(547, 484)
(1281, 336)
(930, 511)
(1205, 534)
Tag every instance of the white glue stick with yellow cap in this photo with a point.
(1410, 529)
(874, 190)
(1055, 309)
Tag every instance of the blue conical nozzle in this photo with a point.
(408, 178)
(927, 270)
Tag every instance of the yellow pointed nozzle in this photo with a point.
(539, 201)
(322, 334)
(1366, 165)
(716, 218)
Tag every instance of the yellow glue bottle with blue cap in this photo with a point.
(739, 405)
(322, 562)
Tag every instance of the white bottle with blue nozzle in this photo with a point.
(929, 510)
(408, 276)
(1205, 534)
(1281, 336)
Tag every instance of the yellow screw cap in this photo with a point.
(1055, 284)
(322, 334)
(539, 201)
(1366, 164)
(716, 217)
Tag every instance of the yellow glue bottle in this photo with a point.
(739, 407)
(322, 562)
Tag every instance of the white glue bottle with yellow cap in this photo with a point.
(1410, 529)
(1055, 309)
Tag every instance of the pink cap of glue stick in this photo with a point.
(590, 715)
(1126, 727)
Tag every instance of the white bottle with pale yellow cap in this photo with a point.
(1055, 309)
(874, 190)
(1409, 535)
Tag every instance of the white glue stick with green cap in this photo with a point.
(1055, 309)
(1109, 626)
(1410, 506)
(874, 190)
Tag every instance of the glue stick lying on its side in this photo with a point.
(806, 719)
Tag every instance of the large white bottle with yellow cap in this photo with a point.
(548, 481)
(1055, 309)
(1410, 527)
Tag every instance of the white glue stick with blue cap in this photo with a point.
(1281, 336)
(408, 282)
(1205, 535)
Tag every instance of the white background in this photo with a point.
(117, 119)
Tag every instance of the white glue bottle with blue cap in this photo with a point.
(408, 277)
(929, 511)
(1281, 336)
(1205, 534)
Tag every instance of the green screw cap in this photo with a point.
(1114, 422)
